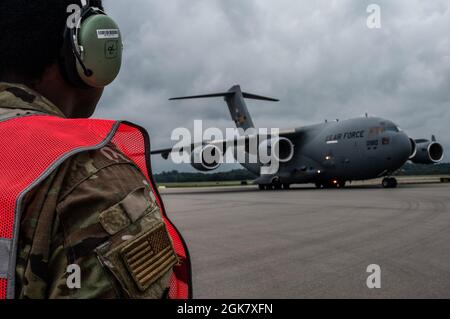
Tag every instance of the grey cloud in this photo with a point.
(318, 57)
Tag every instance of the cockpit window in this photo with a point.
(392, 128)
(374, 131)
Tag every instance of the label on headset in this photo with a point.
(108, 34)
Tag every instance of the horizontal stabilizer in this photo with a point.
(235, 100)
(226, 94)
(202, 96)
(259, 97)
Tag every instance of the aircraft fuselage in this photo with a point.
(355, 149)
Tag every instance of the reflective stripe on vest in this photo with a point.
(32, 147)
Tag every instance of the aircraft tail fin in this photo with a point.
(236, 104)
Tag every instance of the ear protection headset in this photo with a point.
(92, 50)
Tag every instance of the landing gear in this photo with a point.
(340, 184)
(389, 182)
(276, 185)
(331, 184)
(266, 187)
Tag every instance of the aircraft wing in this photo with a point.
(240, 140)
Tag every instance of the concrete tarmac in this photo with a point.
(308, 243)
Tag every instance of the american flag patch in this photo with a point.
(149, 257)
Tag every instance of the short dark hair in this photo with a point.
(31, 35)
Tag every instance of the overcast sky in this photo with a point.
(318, 57)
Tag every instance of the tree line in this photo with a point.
(243, 175)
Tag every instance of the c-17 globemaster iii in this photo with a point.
(328, 154)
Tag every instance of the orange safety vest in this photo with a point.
(32, 147)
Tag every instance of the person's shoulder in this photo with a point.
(107, 168)
(107, 212)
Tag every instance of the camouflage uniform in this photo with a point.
(93, 204)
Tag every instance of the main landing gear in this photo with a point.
(267, 187)
(331, 184)
(274, 186)
(389, 182)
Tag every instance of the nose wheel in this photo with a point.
(389, 182)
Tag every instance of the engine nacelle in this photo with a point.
(427, 152)
(413, 148)
(206, 158)
(284, 146)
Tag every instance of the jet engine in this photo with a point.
(206, 158)
(413, 148)
(283, 145)
(428, 152)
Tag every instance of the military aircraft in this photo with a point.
(328, 154)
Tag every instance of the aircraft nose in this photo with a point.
(403, 147)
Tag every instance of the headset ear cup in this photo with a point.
(101, 40)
